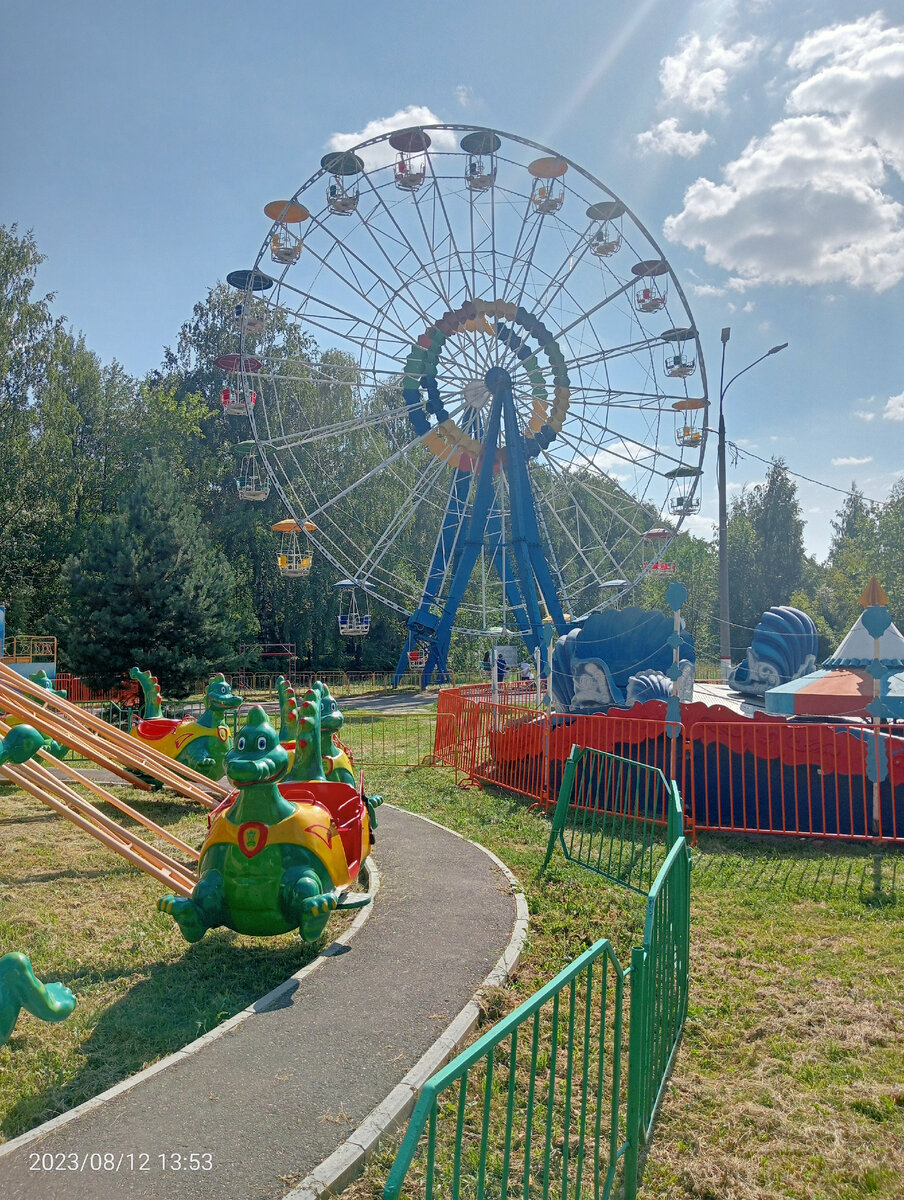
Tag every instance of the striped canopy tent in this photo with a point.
(845, 688)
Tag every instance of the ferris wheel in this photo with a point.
(506, 397)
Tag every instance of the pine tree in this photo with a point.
(150, 590)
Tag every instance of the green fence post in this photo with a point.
(675, 826)
(561, 814)
(636, 1044)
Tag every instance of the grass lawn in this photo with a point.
(86, 917)
(789, 1081)
(790, 1078)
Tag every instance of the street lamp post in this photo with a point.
(724, 621)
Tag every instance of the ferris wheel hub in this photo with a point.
(475, 394)
(498, 378)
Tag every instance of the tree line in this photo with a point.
(124, 534)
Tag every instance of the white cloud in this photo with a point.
(863, 414)
(701, 527)
(807, 201)
(857, 72)
(699, 74)
(617, 458)
(465, 95)
(707, 289)
(383, 154)
(667, 138)
(894, 408)
(852, 462)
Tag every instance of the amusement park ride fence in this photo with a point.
(558, 1098)
(615, 817)
(739, 776)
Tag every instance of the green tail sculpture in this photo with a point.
(19, 988)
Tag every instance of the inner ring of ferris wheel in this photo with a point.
(445, 264)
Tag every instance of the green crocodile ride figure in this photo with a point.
(203, 743)
(283, 855)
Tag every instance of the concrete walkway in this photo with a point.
(271, 1099)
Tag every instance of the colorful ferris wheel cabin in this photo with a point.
(252, 483)
(411, 165)
(237, 396)
(294, 557)
(548, 189)
(480, 147)
(679, 364)
(285, 242)
(652, 290)
(687, 414)
(685, 503)
(354, 618)
(342, 192)
(605, 237)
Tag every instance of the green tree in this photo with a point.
(150, 590)
(697, 567)
(27, 335)
(890, 550)
(766, 559)
(835, 591)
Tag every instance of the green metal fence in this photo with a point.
(615, 817)
(535, 1107)
(659, 988)
(544, 1106)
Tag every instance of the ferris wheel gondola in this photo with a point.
(488, 432)
(354, 617)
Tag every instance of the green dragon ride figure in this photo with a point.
(336, 764)
(285, 851)
(42, 679)
(202, 743)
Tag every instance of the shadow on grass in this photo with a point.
(809, 869)
(163, 1012)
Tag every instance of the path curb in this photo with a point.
(348, 1162)
(270, 1000)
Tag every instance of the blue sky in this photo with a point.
(762, 143)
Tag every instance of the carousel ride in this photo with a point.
(505, 350)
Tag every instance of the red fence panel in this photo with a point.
(801, 780)
(734, 774)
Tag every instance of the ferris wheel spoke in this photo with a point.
(596, 308)
(559, 277)
(370, 474)
(671, 459)
(446, 296)
(404, 240)
(322, 321)
(580, 551)
(377, 309)
(324, 432)
(405, 513)
(403, 283)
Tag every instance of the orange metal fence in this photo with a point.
(741, 776)
(88, 691)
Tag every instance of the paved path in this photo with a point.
(269, 1100)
